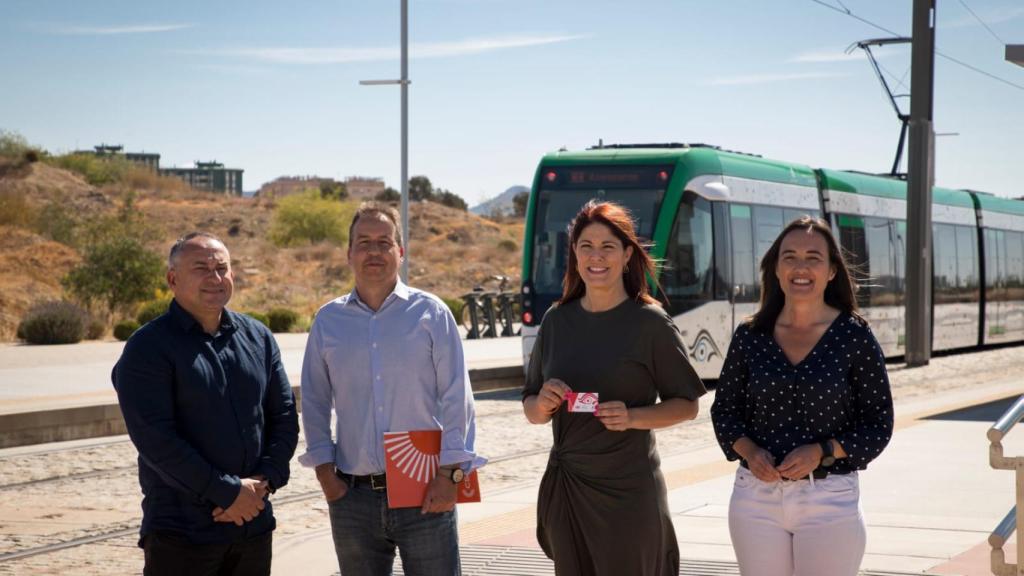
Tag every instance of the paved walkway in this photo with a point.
(930, 502)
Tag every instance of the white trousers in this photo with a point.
(796, 528)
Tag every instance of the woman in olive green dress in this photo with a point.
(602, 508)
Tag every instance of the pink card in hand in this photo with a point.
(581, 401)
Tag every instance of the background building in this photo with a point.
(210, 176)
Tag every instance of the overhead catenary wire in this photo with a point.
(982, 22)
(847, 12)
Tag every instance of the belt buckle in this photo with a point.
(378, 487)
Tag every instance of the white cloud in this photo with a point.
(78, 30)
(768, 78)
(340, 55)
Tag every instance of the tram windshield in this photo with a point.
(563, 191)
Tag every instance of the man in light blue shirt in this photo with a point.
(387, 358)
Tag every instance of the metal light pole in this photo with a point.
(920, 179)
(404, 83)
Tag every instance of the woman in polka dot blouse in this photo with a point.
(804, 403)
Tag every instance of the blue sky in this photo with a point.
(273, 88)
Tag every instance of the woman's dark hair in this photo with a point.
(640, 266)
(840, 293)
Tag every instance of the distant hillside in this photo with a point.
(500, 204)
(451, 250)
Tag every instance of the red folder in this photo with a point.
(412, 459)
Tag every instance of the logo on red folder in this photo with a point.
(412, 459)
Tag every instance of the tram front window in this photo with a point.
(640, 190)
(688, 273)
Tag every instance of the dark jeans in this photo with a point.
(170, 555)
(366, 533)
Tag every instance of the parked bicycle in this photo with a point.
(488, 314)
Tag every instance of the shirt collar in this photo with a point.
(400, 291)
(187, 322)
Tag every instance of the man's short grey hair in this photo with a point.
(179, 245)
(381, 210)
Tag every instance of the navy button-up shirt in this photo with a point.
(205, 411)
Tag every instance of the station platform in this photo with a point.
(63, 392)
(930, 502)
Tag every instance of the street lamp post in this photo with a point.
(403, 81)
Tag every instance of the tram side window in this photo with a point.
(967, 263)
(883, 285)
(689, 272)
(853, 239)
(790, 214)
(944, 283)
(743, 278)
(1014, 266)
(995, 265)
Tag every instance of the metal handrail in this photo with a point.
(1015, 517)
(1005, 423)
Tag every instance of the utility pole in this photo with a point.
(404, 83)
(920, 179)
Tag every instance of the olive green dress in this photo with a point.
(602, 508)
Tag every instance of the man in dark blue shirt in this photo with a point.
(207, 403)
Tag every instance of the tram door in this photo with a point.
(754, 229)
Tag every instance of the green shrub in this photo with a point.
(389, 195)
(152, 310)
(282, 319)
(14, 145)
(54, 322)
(307, 219)
(508, 245)
(259, 316)
(58, 222)
(119, 272)
(455, 305)
(95, 328)
(124, 329)
(97, 170)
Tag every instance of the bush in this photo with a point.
(455, 305)
(451, 200)
(389, 196)
(307, 219)
(15, 209)
(152, 310)
(58, 222)
(96, 170)
(119, 272)
(259, 316)
(54, 322)
(124, 329)
(95, 328)
(14, 145)
(282, 319)
(508, 245)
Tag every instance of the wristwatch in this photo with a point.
(827, 456)
(456, 475)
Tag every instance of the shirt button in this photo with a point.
(378, 376)
(380, 408)
(374, 344)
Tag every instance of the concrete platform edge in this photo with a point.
(92, 421)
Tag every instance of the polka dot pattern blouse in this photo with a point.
(840, 390)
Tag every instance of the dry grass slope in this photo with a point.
(451, 250)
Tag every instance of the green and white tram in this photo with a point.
(710, 216)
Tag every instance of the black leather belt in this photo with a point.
(377, 482)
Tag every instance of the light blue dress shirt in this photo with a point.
(397, 369)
